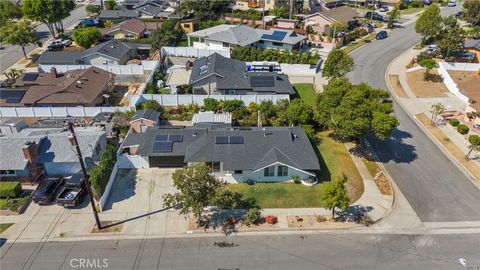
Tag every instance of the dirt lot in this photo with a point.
(426, 89)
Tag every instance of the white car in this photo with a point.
(452, 3)
(64, 42)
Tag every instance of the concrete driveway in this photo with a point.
(136, 200)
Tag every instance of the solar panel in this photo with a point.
(30, 77)
(162, 147)
(161, 138)
(236, 140)
(276, 35)
(261, 81)
(12, 96)
(221, 140)
(175, 138)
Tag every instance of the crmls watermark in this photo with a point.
(93, 263)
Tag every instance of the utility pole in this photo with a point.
(291, 10)
(73, 140)
(263, 15)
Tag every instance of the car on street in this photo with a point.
(381, 35)
(374, 16)
(55, 47)
(452, 3)
(46, 190)
(384, 9)
(427, 2)
(476, 126)
(458, 14)
(65, 42)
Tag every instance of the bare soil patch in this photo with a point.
(397, 86)
(426, 89)
(108, 227)
(382, 183)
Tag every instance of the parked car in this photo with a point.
(73, 191)
(63, 41)
(476, 126)
(384, 9)
(431, 47)
(427, 2)
(55, 47)
(375, 16)
(459, 14)
(46, 190)
(451, 4)
(381, 35)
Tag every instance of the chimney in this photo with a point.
(53, 72)
(29, 150)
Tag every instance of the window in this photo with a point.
(269, 171)
(282, 170)
(277, 44)
(215, 166)
(229, 92)
(260, 41)
(238, 172)
(129, 36)
(7, 172)
(226, 44)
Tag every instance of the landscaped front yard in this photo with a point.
(305, 91)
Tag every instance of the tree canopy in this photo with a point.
(21, 34)
(85, 37)
(450, 38)
(471, 12)
(338, 64)
(205, 9)
(279, 11)
(429, 22)
(9, 11)
(335, 195)
(110, 4)
(168, 33)
(49, 12)
(93, 9)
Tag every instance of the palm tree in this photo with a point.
(436, 109)
(279, 11)
(472, 148)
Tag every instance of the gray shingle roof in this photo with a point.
(241, 35)
(472, 43)
(118, 14)
(146, 114)
(14, 160)
(291, 37)
(287, 145)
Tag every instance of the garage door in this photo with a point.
(167, 162)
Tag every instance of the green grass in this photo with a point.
(183, 42)
(4, 226)
(306, 91)
(281, 195)
(354, 45)
(3, 204)
(164, 90)
(410, 10)
(13, 204)
(371, 165)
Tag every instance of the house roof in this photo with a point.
(11, 97)
(340, 14)
(472, 44)
(287, 36)
(146, 114)
(210, 31)
(133, 26)
(80, 86)
(149, 9)
(241, 35)
(53, 146)
(232, 74)
(117, 14)
(260, 147)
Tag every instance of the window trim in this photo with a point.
(269, 171)
(282, 170)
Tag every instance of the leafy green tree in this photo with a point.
(335, 195)
(428, 64)
(93, 10)
(329, 99)
(474, 146)
(9, 11)
(153, 105)
(393, 15)
(168, 33)
(451, 38)
(429, 22)
(205, 9)
(267, 108)
(85, 37)
(471, 12)
(232, 105)
(299, 113)
(100, 173)
(110, 4)
(197, 188)
(279, 11)
(338, 64)
(211, 104)
(49, 12)
(251, 217)
(436, 109)
(21, 34)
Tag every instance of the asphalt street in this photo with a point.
(436, 189)
(329, 251)
(11, 54)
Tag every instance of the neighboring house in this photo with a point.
(473, 46)
(189, 25)
(130, 29)
(216, 74)
(229, 36)
(11, 126)
(116, 15)
(144, 119)
(111, 52)
(33, 151)
(271, 154)
(321, 22)
(79, 87)
(258, 4)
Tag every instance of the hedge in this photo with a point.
(462, 129)
(100, 174)
(454, 122)
(10, 189)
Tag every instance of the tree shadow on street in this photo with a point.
(394, 148)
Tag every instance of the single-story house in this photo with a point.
(33, 151)
(473, 46)
(130, 29)
(270, 154)
(116, 15)
(111, 52)
(322, 21)
(83, 87)
(143, 119)
(228, 36)
(216, 74)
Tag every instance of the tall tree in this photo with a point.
(279, 11)
(21, 34)
(206, 9)
(299, 113)
(9, 11)
(329, 99)
(168, 33)
(474, 145)
(110, 4)
(197, 188)
(338, 64)
(93, 10)
(471, 12)
(451, 38)
(49, 12)
(429, 23)
(335, 195)
(86, 37)
(393, 15)
(436, 109)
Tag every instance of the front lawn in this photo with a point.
(4, 226)
(305, 91)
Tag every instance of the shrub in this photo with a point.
(100, 173)
(296, 179)
(360, 31)
(462, 129)
(321, 219)
(270, 219)
(10, 189)
(211, 104)
(474, 139)
(251, 217)
(151, 104)
(232, 105)
(454, 122)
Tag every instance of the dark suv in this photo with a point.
(45, 192)
(374, 16)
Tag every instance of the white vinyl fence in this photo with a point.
(191, 52)
(56, 111)
(443, 68)
(175, 100)
(104, 197)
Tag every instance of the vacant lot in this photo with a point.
(425, 89)
(305, 91)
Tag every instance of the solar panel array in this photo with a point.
(276, 35)
(262, 81)
(164, 143)
(228, 140)
(30, 77)
(12, 96)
